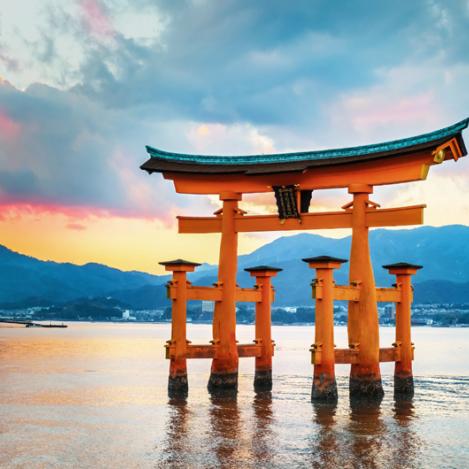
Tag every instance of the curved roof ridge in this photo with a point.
(389, 146)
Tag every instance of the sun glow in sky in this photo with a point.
(86, 84)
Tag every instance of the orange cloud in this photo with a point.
(76, 226)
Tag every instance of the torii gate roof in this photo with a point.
(168, 162)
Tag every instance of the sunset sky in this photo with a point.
(86, 84)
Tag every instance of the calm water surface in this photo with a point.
(94, 395)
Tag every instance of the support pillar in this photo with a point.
(363, 323)
(403, 377)
(263, 367)
(224, 372)
(177, 346)
(324, 384)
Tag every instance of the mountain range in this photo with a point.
(443, 252)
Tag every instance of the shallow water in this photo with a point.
(94, 395)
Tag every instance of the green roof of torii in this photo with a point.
(162, 160)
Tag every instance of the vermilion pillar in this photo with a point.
(363, 324)
(224, 373)
(177, 346)
(263, 373)
(403, 377)
(324, 383)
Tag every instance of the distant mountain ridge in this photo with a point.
(23, 277)
(443, 251)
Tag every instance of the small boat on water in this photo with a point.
(35, 324)
(53, 325)
(32, 324)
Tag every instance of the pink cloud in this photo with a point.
(141, 192)
(10, 209)
(388, 110)
(17, 209)
(368, 113)
(9, 128)
(96, 21)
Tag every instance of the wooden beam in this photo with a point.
(249, 350)
(375, 172)
(204, 293)
(400, 216)
(215, 294)
(346, 355)
(352, 293)
(248, 294)
(252, 223)
(200, 351)
(341, 292)
(391, 295)
(389, 354)
(308, 221)
(210, 350)
(197, 293)
(199, 224)
(350, 356)
(347, 293)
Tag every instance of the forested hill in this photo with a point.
(443, 251)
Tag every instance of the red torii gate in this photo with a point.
(293, 177)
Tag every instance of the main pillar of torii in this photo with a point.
(224, 373)
(363, 324)
(292, 177)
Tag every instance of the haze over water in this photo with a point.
(94, 395)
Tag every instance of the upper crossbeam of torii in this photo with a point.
(292, 177)
(402, 160)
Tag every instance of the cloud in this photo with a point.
(76, 226)
(21, 183)
(228, 139)
(9, 128)
(238, 61)
(96, 19)
(74, 153)
(95, 81)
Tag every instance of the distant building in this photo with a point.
(127, 317)
(208, 306)
(389, 311)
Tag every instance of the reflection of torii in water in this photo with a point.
(293, 176)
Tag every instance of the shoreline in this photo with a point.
(208, 323)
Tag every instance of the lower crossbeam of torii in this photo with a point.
(293, 177)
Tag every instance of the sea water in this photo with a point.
(94, 395)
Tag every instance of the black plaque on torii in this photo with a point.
(287, 201)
